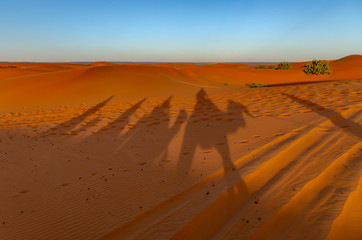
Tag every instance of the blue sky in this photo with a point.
(175, 30)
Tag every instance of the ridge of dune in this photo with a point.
(98, 64)
(349, 59)
(14, 70)
(347, 224)
(347, 67)
(29, 84)
(311, 196)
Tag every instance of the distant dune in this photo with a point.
(26, 84)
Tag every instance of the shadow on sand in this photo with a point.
(208, 128)
(349, 126)
(147, 139)
(150, 136)
(73, 122)
(129, 140)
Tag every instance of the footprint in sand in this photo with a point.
(20, 193)
(305, 111)
(326, 129)
(207, 151)
(64, 184)
(229, 119)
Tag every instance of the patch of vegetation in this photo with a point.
(254, 85)
(226, 83)
(271, 67)
(284, 66)
(317, 67)
(260, 67)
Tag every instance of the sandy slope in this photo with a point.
(35, 85)
(170, 152)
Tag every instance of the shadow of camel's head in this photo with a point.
(201, 94)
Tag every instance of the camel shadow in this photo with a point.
(108, 137)
(150, 137)
(74, 122)
(208, 127)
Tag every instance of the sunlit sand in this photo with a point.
(180, 151)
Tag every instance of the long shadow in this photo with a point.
(114, 129)
(208, 127)
(336, 118)
(121, 121)
(73, 122)
(93, 122)
(150, 136)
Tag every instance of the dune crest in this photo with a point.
(28, 84)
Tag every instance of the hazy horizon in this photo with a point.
(179, 31)
(163, 62)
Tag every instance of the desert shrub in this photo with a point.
(271, 67)
(254, 85)
(317, 67)
(284, 66)
(226, 84)
(260, 67)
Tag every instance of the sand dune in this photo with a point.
(50, 83)
(167, 151)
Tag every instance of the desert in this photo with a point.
(180, 151)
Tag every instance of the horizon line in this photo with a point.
(174, 62)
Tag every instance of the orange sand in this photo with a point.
(31, 84)
(107, 151)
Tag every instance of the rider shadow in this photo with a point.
(74, 122)
(109, 135)
(149, 138)
(208, 128)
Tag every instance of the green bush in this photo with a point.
(254, 85)
(271, 67)
(317, 67)
(284, 66)
(260, 67)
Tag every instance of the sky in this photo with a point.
(179, 30)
